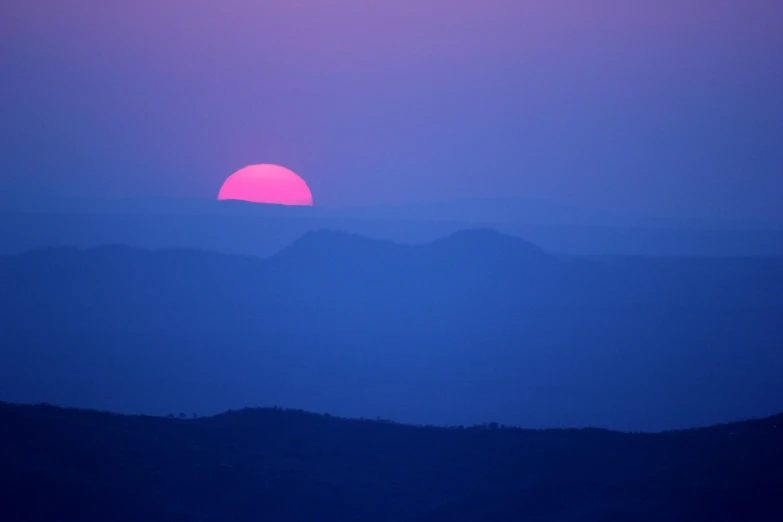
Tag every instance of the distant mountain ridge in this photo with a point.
(475, 327)
(481, 243)
(493, 211)
(262, 230)
(488, 210)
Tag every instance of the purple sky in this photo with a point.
(666, 107)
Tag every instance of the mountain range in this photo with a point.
(475, 327)
(236, 227)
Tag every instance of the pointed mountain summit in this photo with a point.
(488, 242)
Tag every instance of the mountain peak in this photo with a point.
(337, 248)
(487, 240)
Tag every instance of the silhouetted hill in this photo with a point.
(462, 245)
(327, 247)
(488, 239)
(272, 464)
(472, 328)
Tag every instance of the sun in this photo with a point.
(266, 184)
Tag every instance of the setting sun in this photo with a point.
(267, 184)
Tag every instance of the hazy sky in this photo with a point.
(664, 107)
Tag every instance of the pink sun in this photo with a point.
(267, 184)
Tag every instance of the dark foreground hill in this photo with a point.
(476, 327)
(61, 464)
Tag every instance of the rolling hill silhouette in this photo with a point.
(292, 466)
(476, 327)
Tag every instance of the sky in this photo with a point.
(671, 108)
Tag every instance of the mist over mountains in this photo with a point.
(391, 261)
(475, 327)
(236, 227)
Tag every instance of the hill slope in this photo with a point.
(60, 464)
